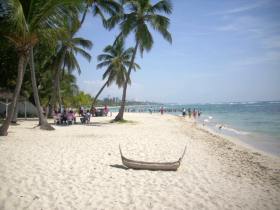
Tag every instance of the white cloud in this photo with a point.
(243, 8)
(245, 24)
(229, 27)
(93, 82)
(272, 42)
(270, 56)
(93, 86)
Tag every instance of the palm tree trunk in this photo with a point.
(99, 92)
(42, 120)
(4, 128)
(119, 116)
(84, 15)
(59, 79)
(60, 102)
(15, 112)
(54, 96)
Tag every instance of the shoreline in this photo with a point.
(239, 141)
(79, 166)
(245, 141)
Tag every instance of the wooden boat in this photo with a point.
(162, 166)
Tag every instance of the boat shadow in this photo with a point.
(119, 166)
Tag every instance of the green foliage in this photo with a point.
(99, 7)
(8, 65)
(81, 99)
(50, 27)
(116, 59)
(139, 16)
(69, 46)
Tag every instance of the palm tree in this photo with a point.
(65, 57)
(141, 15)
(25, 23)
(69, 89)
(117, 59)
(98, 7)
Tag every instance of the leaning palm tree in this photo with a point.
(117, 59)
(25, 23)
(65, 57)
(140, 15)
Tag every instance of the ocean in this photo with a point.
(255, 123)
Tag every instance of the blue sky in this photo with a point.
(222, 51)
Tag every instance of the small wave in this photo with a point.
(210, 117)
(250, 102)
(274, 102)
(224, 127)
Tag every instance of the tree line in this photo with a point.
(39, 47)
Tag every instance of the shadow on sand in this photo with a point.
(119, 166)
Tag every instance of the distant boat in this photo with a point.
(161, 166)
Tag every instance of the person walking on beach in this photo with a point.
(184, 112)
(161, 110)
(106, 110)
(194, 113)
(189, 112)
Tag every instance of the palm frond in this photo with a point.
(85, 43)
(162, 6)
(82, 52)
(145, 38)
(103, 64)
(104, 57)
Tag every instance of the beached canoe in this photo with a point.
(162, 166)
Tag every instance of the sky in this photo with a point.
(222, 51)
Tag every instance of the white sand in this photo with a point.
(79, 167)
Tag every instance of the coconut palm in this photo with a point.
(69, 89)
(65, 57)
(25, 23)
(117, 59)
(99, 7)
(140, 16)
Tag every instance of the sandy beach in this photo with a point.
(79, 167)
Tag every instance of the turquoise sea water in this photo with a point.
(255, 123)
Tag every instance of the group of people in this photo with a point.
(85, 116)
(93, 112)
(195, 113)
(68, 116)
(64, 117)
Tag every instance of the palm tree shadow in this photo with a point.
(119, 166)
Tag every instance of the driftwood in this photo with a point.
(162, 166)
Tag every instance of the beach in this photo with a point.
(79, 167)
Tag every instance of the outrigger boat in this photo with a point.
(162, 166)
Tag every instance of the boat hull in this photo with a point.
(154, 166)
(140, 165)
